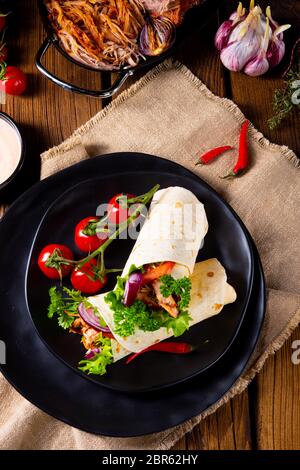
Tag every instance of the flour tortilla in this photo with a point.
(210, 293)
(118, 351)
(174, 230)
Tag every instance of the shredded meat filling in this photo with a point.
(151, 295)
(89, 334)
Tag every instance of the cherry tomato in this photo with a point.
(3, 53)
(53, 272)
(155, 273)
(84, 280)
(117, 208)
(2, 23)
(13, 81)
(84, 241)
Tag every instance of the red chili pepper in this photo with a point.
(169, 347)
(212, 154)
(243, 157)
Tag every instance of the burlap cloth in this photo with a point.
(172, 114)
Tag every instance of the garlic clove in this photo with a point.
(257, 66)
(260, 65)
(275, 52)
(238, 53)
(276, 48)
(222, 35)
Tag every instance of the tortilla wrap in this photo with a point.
(173, 231)
(210, 293)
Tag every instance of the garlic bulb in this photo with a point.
(251, 42)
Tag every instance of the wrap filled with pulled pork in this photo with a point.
(162, 291)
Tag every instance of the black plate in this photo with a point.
(226, 240)
(56, 389)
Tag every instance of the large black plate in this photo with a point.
(45, 381)
(227, 240)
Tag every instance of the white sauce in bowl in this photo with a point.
(10, 150)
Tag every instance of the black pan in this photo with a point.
(195, 18)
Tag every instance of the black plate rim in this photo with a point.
(179, 381)
(138, 434)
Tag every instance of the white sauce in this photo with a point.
(10, 150)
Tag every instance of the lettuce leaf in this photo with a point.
(98, 364)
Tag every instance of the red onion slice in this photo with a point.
(92, 353)
(132, 286)
(88, 315)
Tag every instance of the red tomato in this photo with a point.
(53, 272)
(155, 273)
(2, 23)
(84, 241)
(84, 279)
(13, 81)
(117, 208)
(3, 53)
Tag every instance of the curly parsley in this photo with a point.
(139, 315)
(179, 287)
(65, 307)
(97, 365)
(126, 319)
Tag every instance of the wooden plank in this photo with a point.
(47, 113)
(229, 427)
(277, 386)
(278, 406)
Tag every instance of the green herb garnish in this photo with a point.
(139, 315)
(127, 319)
(179, 287)
(65, 307)
(282, 100)
(97, 365)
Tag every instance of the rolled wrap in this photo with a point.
(210, 293)
(173, 231)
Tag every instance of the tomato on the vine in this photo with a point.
(85, 237)
(86, 280)
(118, 210)
(55, 270)
(12, 80)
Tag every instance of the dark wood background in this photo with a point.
(267, 415)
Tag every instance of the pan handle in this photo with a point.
(107, 93)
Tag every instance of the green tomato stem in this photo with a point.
(144, 199)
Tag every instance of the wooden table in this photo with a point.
(267, 415)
